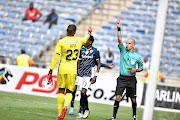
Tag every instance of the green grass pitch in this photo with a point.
(14, 106)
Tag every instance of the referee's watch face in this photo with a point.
(130, 44)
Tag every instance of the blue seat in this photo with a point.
(170, 38)
(4, 20)
(43, 30)
(38, 24)
(166, 55)
(17, 9)
(25, 34)
(14, 32)
(139, 2)
(27, 22)
(172, 50)
(18, 39)
(8, 26)
(20, 27)
(3, 32)
(177, 45)
(46, 7)
(143, 7)
(141, 31)
(73, 18)
(149, 3)
(130, 28)
(25, 4)
(107, 26)
(36, 35)
(7, 8)
(132, 6)
(172, 62)
(126, 11)
(24, 46)
(3, 2)
(12, 15)
(31, 29)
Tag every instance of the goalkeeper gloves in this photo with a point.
(49, 77)
(90, 30)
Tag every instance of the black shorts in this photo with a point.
(128, 82)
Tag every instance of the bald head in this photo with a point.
(130, 44)
(71, 30)
(133, 40)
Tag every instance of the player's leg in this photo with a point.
(71, 111)
(69, 85)
(119, 91)
(86, 85)
(61, 86)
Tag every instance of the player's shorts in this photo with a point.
(83, 82)
(128, 82)
(66, 81)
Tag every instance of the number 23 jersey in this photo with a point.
(69, 48)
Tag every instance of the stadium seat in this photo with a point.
(25, 34)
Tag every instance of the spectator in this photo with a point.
(24, 60)
(51, 18)
(146, 64)
(109, 56)
(136, 50)
(31, 13)
(160, 76)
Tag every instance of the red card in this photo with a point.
(119, 19)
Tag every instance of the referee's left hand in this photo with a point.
(133, 70)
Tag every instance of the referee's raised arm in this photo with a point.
(119, 32)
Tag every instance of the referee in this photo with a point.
(128, 61)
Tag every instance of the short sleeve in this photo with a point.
(122, 48)
(97, 55)
(38, 11)
(140, 63)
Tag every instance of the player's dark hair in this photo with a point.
(23, 51)
(91, 38)
(71, 29)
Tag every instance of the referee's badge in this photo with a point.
(133, 62)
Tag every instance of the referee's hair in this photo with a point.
(71, 29)
(91, 38)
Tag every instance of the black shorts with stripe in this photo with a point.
(128, 82)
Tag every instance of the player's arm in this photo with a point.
(119, 32)
(54, 61)
(78, 65)
(111, 65)
(40, 14)
(88, 35)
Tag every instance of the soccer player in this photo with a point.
(87, 74)
(85, 64)
(68, 48)
(127, 78)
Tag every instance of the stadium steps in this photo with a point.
(102, 15)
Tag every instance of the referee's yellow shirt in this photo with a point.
(69, 49)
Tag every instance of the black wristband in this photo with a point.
(119, 29)
(136, 70)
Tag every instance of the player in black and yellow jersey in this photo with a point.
(68, 48)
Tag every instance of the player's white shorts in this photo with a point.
(83, 82)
